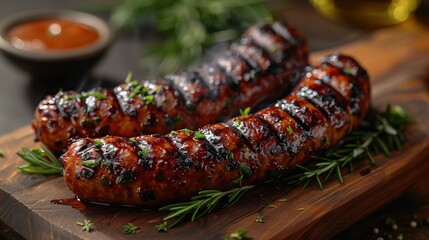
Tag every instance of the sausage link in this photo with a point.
(248, 73)
(149, 170)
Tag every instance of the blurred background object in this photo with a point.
(367, 13)
(186, 28)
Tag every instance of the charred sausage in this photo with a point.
(266, 61)
(148, 170)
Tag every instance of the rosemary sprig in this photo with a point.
(380, 133)
(203, 203)
(186, 28)
(41, 161)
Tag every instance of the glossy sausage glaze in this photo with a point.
(148, 170)
(266, 62)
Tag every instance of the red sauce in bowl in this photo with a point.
(53, 34)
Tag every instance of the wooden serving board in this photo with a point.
(397, 59)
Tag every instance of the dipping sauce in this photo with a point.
(52, 34)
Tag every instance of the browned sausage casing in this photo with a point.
(148, 170)
(267, 61)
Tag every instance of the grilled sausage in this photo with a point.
(148, 170)
(262, 65)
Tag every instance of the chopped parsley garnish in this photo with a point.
(243, 150)
(271, 206)
(143, 152)
(84, 95)
(98, 143)
(245, 171)
(199, 135)
(240, 234)
(125, 177)
(244, 112)
(129, 228)
(86, 225)
(289, 130)
(259, 219)
(229, 155)
(162, 227)
(90, 163)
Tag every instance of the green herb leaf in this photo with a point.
(204, 203)
(129, 228)
(289, 130)
(244, 112)
(162, 227)
(380, 132)
(259, 219)
(90, 163)
(41, 161)
(240, 234)
(86, 225)
(199, 135)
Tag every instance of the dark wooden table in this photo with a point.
(19, 95)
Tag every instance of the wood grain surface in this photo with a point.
(397, 59)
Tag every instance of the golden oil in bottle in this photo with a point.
(372, 13)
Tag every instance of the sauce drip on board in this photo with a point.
(53, 34)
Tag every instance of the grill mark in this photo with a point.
(273, 132)
(216, 145)
(354, 86)
(283, 140)
(265, 29)
(283, 32)
(251, 64)
(230, 79)
(320, 101)
(288, 107)
(243, 138)
(181, 156)
(178, 91)
(211, 94)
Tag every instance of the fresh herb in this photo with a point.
(245, 171)
(173, 133)
(271, 206)
(237, 122)
(282, 200)
(98, 143)
(243, 150)
(199, 135)
(143, 152)
(129, 77)
(41, 161)
(138, 89)
(229, 155)
(90, 163)
(86, 225)
(240, 234)
(204, 203)
(1, 153)
(125, 177)
(186, 131)
(259, 219)
(133, 140)
(380, 133)
(104, 181)
(162, 227)
(84, 95)
(244, 112)
(300, 209)
(289, 130)
(189, 27)
(149, 99)
(129, 228)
